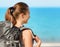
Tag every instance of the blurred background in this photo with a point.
(44, 17)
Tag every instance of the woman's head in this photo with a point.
(19, 12)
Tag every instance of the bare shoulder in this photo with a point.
(27, 33)
(27, 38)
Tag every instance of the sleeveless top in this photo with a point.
(18, 35)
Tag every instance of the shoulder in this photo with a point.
(26, 32)
(25, 29)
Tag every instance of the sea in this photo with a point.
(44, 22)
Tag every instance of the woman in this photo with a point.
(19, 15)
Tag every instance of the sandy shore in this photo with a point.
(49, 45)
(42, 45)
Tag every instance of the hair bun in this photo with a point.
(12, 9)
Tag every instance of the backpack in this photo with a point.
(7, 34)
(4, 25)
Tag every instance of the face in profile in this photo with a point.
(26, 17)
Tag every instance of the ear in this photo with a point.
(22, 15)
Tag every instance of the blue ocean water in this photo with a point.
(45, 22)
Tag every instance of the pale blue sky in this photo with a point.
(32, 3)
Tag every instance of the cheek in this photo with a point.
(26, 19)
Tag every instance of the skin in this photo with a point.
(38, 41)
(27, 34)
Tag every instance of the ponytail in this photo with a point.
(9, 15)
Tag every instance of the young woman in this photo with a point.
(19, 15)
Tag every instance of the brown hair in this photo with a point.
(13, 12)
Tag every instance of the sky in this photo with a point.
(31, 3)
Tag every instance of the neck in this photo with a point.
(19, 24)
